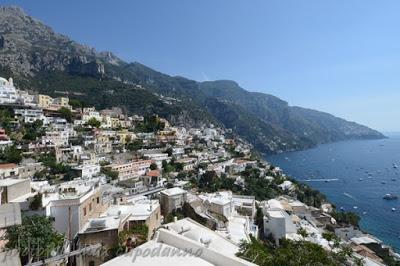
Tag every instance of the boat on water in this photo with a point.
(393, 179)
(395, 166)
(389, 196)
(355, 207)
(360, 179)
(383, 182)
(393, 209)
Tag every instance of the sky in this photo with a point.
(341, 57)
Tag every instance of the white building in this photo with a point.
(28, 168)
(31, 115)
(89, 113)
(4, 140)
(87, 171)
(286, 186)
(277, 221)
(220, 202)
(72, 206)
(14, 190)
(172, 199)
(10, 215)
(157, 157)
(185, 234)
(8, 170)
(8, 93)
(26, 99)
(55, 138)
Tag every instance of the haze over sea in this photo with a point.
(365, 170)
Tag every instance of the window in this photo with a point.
(90, 206)
(84, 211)
(98, 200)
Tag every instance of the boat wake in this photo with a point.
(348, 195)
(320, 180)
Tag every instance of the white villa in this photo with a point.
(8, 93)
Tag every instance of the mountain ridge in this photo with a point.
(43, 60)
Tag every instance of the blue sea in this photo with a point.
(361, 173)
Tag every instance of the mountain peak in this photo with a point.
(28, 46)
(33, 53)
(13, 11)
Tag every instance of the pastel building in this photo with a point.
(130, 169)
(47, 102)
(30, 115)
(44, 101)
(4, 140)
(8, 170)
(116, 219)
(73, 205)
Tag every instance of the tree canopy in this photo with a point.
(65, 113)
(93, 122)
(11, 155)
(289, 253)
(35, 238)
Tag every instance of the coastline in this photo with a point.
(365, 227)
(386, 135)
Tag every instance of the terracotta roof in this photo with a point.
(154, 173)
(240, 161)
(7, 165)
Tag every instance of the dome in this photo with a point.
(3, 81)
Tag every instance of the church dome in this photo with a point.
(3, 81)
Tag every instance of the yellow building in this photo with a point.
(61, 102)
(44, 101)
(124, 136)
(47, 102)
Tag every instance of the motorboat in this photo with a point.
(389, 196)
